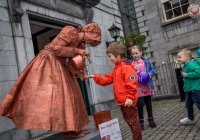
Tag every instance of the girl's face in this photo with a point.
(136, 54)
(114, 59)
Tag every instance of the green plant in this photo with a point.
(136, 39)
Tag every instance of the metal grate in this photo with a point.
(167, 80)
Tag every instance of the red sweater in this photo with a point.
(124, 79)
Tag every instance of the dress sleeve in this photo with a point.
(69, 52)
(66, 43)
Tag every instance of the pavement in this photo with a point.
(167, 115)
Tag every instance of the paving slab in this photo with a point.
(94, 135)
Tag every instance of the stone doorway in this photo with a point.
(42, 34)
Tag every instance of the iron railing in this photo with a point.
(167, 80)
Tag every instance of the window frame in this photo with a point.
(174, 19)
(129, 19)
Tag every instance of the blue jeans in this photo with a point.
(192, 98)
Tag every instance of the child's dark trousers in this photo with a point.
(130, 115)
(192, 98)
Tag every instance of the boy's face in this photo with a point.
(114, 59)
(182, 58)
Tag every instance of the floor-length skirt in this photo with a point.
(46, 96)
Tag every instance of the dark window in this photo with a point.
(184, 8)
(151, 54)
(174, 8)
(177, 12)
(175, 3)
(128, 17)
(169, 14)
(167, 6)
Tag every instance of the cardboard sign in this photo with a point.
(110, 130)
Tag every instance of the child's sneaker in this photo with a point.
(187, 121)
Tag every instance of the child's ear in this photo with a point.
(119, 56)
(188, 57)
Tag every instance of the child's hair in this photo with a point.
(186, 52)
(117, 48)
(129, 44)
(137, 47)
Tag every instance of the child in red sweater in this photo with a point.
(124, 79)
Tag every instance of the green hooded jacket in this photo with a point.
(192, 79)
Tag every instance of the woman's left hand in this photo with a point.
(81, 46)
(82, 74)
(89, 76)
(87, 54)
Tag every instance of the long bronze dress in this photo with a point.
(46, 96)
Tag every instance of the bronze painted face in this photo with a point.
(92, 34)
(93, 43)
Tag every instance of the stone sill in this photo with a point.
(174, 21)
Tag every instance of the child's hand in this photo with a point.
(183, 74)
(128, 102)
(89, 76)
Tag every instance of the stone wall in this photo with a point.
(16, 51)
(105, 14)
(165, 38)
(9, 69)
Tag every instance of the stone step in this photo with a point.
(94, 135)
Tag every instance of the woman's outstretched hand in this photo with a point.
(84, 53)
(89, 76)
(87, 54)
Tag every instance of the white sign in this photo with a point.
(110, 130)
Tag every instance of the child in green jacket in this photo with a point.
(191, 78)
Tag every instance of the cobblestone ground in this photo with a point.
(167, 114)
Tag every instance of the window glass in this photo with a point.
(183, 2)
(133, 22)
(174, 9)
(128, 17)
(130, 7)
(132, 12)
(175, 3)
(169, 14)
(184, 8)
(167, 6)
(122, 6)
(177, 12)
